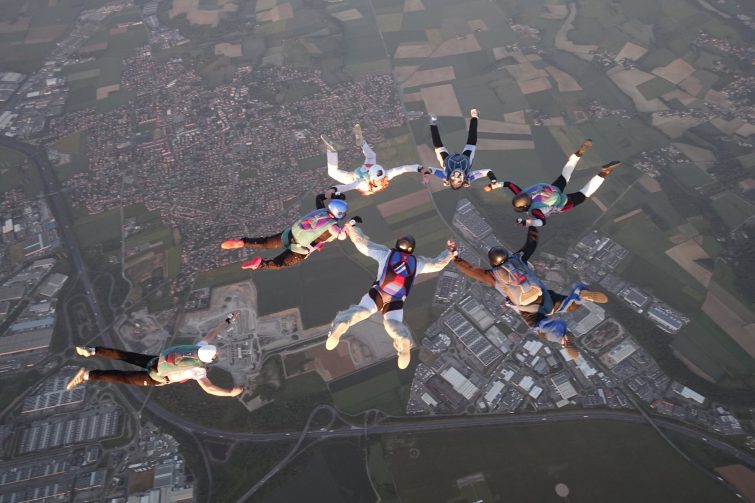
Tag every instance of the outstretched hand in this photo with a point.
(426, 172)
(355, 220)
(522, 222)
(232, 244)
(329, 193)
(451, 247)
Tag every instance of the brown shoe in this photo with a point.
(79, 378)
(608, 168)
(590, 296)
(584, 147)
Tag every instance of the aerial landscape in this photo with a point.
(136, 136)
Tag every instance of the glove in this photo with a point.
(521, 222)
(356, 220)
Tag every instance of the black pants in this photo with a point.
(133, 377)
(572, 199)
(285, 259)
(471, 137)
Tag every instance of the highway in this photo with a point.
(391, 425)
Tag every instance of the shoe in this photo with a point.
(81, 376)
(474, 113)
(608, 168)
(358, 138)
(332, 341)
(84, 351)
(404, 351)
(328, 144)
(590, 296)
(569, 346)
(584, 147)
(253, 264)
(433, 119)
(232, 244)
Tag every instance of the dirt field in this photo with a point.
(631, 51)
(477, 24)
(404, 203)
(566, 82)
(197, 16)
(230, 50)
(425, 77)
(427, 155)
(555, 12)
(99, 46)
(674, 127)
(264, 5)
(488, 144)
(563, 42)
(534, 85)
(675, 72)
(692, 85)
(22, 24)
(412, 97)
(650, 184)
(740, 477)
(699, 156)
(403, 73)
(348, 15)
(488, 126)
(717, 98)
(277, 13)
(684, 98)
(526, 71)
(628, 80)
(515, 117)
(413, 50)
(45, 34)
(685, 254)
(104, 91)
(413, 5)
(719, 310)
(728, 127)
(441, 100)
(455, 46)
(554, 121)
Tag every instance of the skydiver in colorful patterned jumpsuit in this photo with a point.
(456, 171)
(176, 364)
(542, 199)
(306, 235)
(513, 277)
(397, 268)
(370, 177)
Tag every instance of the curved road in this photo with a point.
(65, 222)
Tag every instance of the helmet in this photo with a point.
(521, 202)
(457, 166)
(406, 244)
(376, 173)
(497, 255)
(207, 353)
(337, 208)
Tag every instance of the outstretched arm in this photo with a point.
(212, 389)
(365, 246)
(221, 326)
(427, 265)
(473, 272)
(512, 187)
(400, 170)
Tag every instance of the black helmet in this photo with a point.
(521, 202)
(406, 244)
(497, 255)
(457, 166)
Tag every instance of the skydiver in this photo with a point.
(370, 177)
(513, 277)
(542, 199)
(306, 235)
(175, 364)
(397, 268)
(456, 171)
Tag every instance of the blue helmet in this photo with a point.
(457, 167)
(338, 208)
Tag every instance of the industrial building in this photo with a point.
(58, 432)
(619, 353)
(472, 339)
(461, 384)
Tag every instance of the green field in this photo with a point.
(98, 228)
(599, 462)
(17, 173)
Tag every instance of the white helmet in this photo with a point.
(376, 173)
(207, 353)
